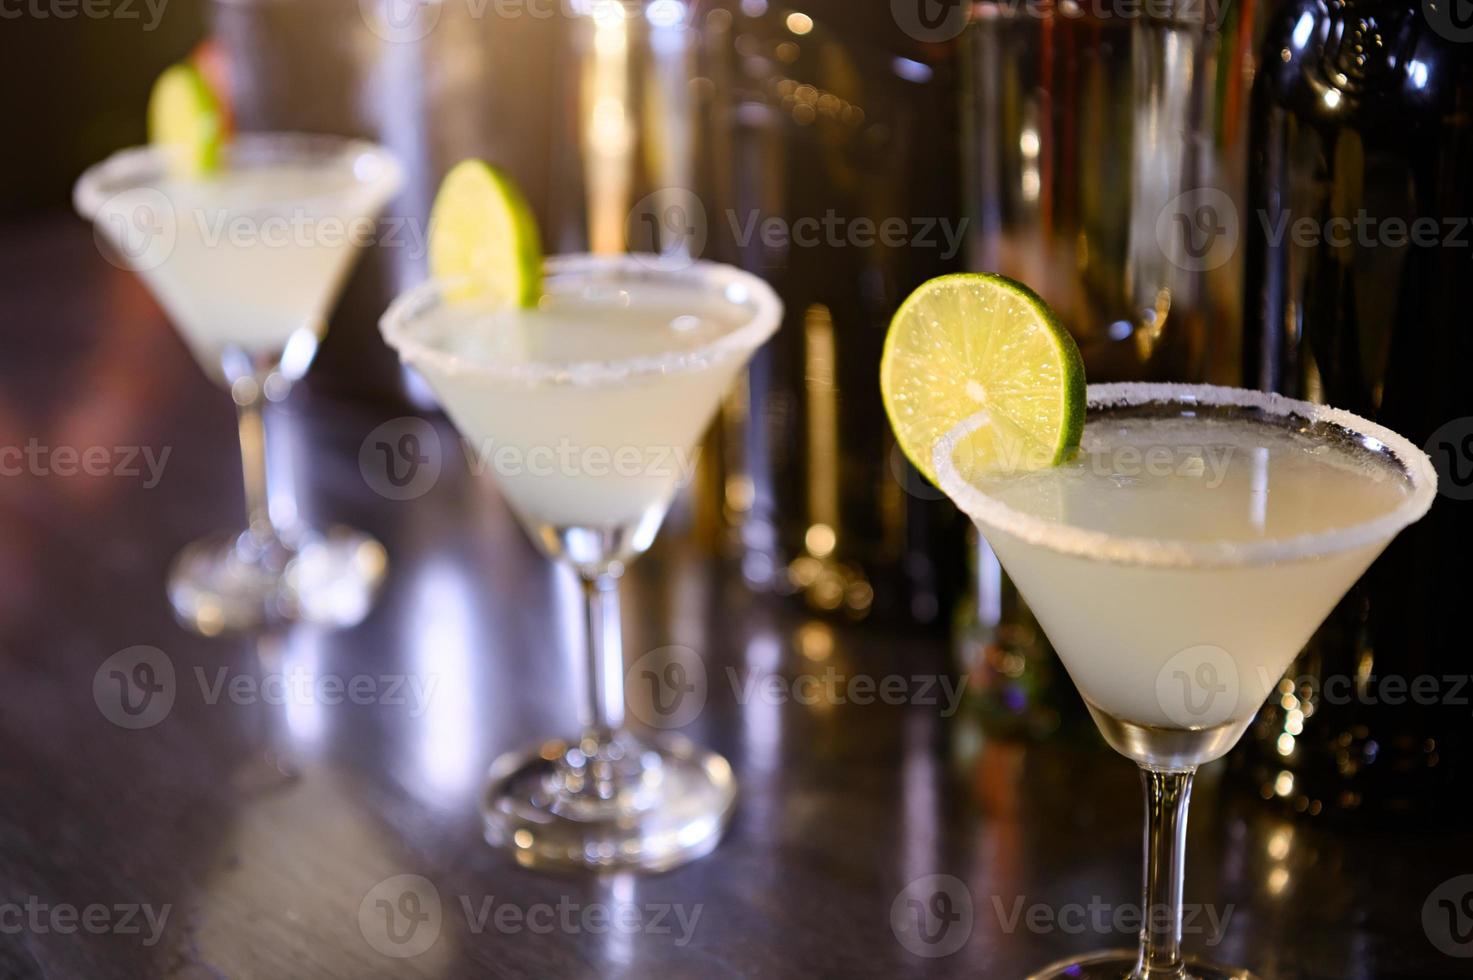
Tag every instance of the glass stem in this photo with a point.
(603, 709)
(1167, 797)
(247, 394)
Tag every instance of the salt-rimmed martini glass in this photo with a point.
(588, 409)
(1178, 564)
(247, 261)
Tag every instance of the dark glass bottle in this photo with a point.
(822, 126)
(1360, 295)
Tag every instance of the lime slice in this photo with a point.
(984, 348)
(483, 238)
(185, 118)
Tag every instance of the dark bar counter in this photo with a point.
(875, 837)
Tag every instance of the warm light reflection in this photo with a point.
(921, 782)
(665, 13)
(1302, 30)
(441, 631)
(799, 23)
(820, 540)
(1030, 179)
(762, 718)
(1258, 498)
(815, 641)
(608, 136)
(300, 660)
(622, 893)
(823, 414)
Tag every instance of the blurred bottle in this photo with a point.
(434, 82)
(1103, 157)
(827, 163)
(1360, 279)
(776, 138)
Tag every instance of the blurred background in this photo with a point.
(1130, 166)
(1168, 174)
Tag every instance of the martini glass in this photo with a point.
(1178, 564)
(247, 262)
(588, 409)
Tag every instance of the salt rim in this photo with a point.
(397, 323)
(141, 167)
(990, 512)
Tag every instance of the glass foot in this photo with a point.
(1120, 964)
(233, 583)
(619, 804)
